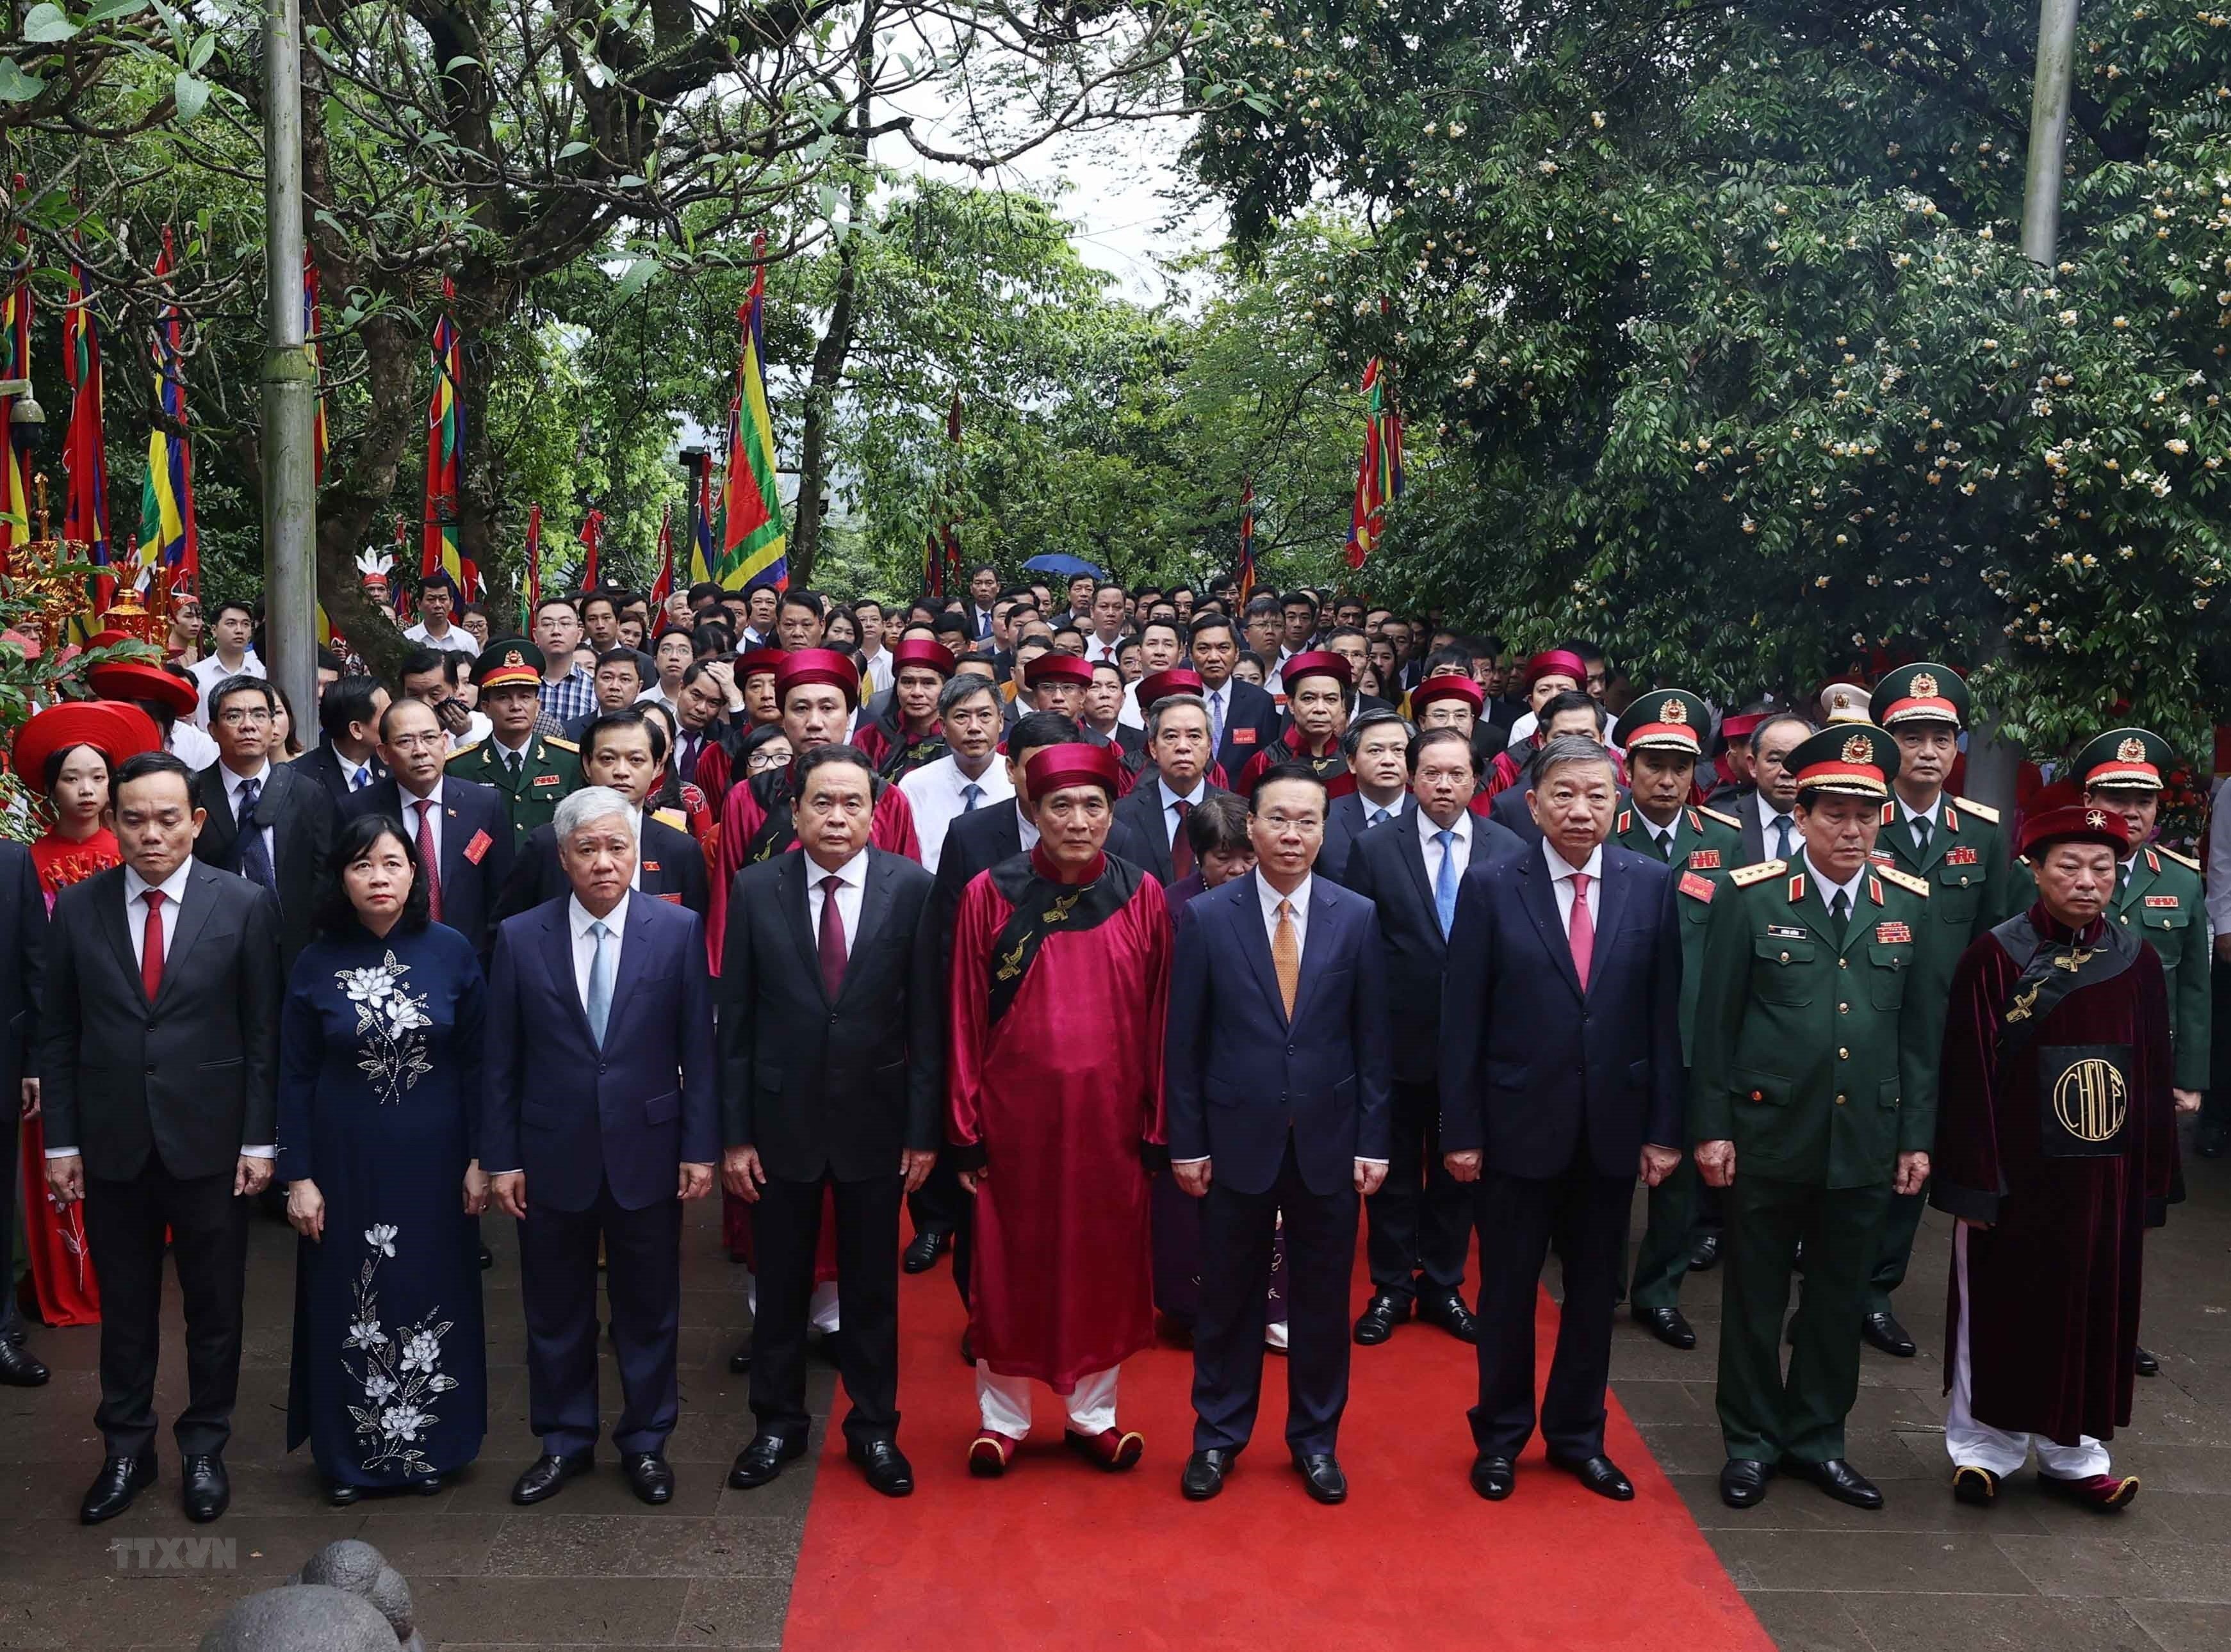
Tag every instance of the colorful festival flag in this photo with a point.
(168, 535)
(1244, 575)
(84, 453)
(313, 334)
(442, 550)
(663, 586)
(701, 516)
(592, 545)
(534, 592)
(753, 544)
(1379, 476)
(16, 527)
(942, 567)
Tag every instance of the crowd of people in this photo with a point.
(1145, 947)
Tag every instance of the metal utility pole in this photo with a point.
(290, 500)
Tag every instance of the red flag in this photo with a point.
(85, 460)
(443, 549)
(1244, 575)
(663, 586)
(533, 569)
(1379, 474)
(400, 590)
(593, 535)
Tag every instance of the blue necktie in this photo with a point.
(600, 984)
(254, 858)
(971, 795)
(1444, 881)
(361, 779)
(1215, 722)
(1781, 824)
(1377, 818)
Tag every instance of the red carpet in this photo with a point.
(1059, 1554)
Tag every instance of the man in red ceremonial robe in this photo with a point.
(1317, 687)
(2055, 1135)
(1060, 980)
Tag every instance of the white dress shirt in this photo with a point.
(456, 639)
(1661, 837)
(1394, 811)
(1029, 827)
(578, 919)
(190, 746)
(1561, 873)
(477, 729)
(209, 672)
(876, 674)
(1934, 814)
(1827, 890)
(233, 786)
(933, 792)
(1460, 846)
(1173, 822)
(1095, 650)
(1767, 812)
(851, 890)
(409, 806)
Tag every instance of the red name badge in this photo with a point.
(1243, 736)
(1695, 886)
(651, 866)
(1891, 935)
(675, 899)
(478, 847)
(1965, 855)
(1882, 857)
(1705, 860)
(2160, 900)
(542, 780)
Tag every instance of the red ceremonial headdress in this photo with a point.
(1159, 685)
(136, 680)
(1057, 668)
(1052, 767)
(115, 731)
(920, 651)
(1320, 662)
(2075, 823)
(1449, 685)
(1556, 662)
(1742, 726)
(760, 659)
(811, 665)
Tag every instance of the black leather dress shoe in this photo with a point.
(341, 1494)
(119, 1480)
(1380, 1316)
(1204, 1472)
(967, 1350)
(740, 1361)
(649, 1476)
(208, 1488)
(1493, 1477)
(1598, 1473)
(2146, 1364)
(1883, 1331)
(1704, 1252)
(546, 1476)
(2210, 1140)
(1450, 1313)
(1321, 1477)
(922, 1255)
(1840, 1479)
(487, 1259)
(18, 1368)
(885, 1466)
(1667, 1325)
(1743, 1481)
(761, 1460)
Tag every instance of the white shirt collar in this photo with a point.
(1461, 827)
(853, 873)
(1270, 898)
(1561, 868)
(1171, 799)
(1906, 813)
(1029, 827)
(1827, 889)
(1392, 809)
(233, 781)
(173, 887)
(579, 917)
(408, 800)
(1768, 813)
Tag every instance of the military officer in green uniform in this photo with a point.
(1958, 848)
(2160, 899)
(1811, 1099)
(532, 771)
(1663, 734)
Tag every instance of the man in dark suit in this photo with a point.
(461, 828)
(1377, 744)
(1418, 1224)
(626, 751)
(1770, 813)
(601, 1116)
(348, 760)
(1172, 785)
(269, 822)
(1561, 1072)
(832, 1074)
(1278, 1075)
(157, 1054)
(1563, 713)
(22, 954)
(1243, 719)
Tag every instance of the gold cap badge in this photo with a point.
(1924, 686)
(2132, 750)
(1859, 750)
(1672, 711)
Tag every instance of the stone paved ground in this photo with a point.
(595, 1568)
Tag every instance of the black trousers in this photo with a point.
(13, 1149)
(785, 1229)
(2216, 1105)
(1417, 1226)
(942, 1205)
(1585, 1214)
(124, 1227)
(1236, 1233)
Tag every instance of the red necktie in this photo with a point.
(151, 947)
(832, 938)
(1580, 930)
(1181, 861)
(430, 860)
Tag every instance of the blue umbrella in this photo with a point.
(1062, 562)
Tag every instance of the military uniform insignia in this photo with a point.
(1721, 816)
(2132, 750)
(1787, 932)
(1874, 891)
(2186, 861)
(1703, 861)
(1744, 876)
(2153, 861)
(2170, 901)
(1965, 855)
(562, 745)
(1858, 750)
(1882, 857)
(1906, 881)
(1625, 823)
(1889, 814)
(1796, 887)
(1695, 886)
(1672, 711)
(541, 781)
(1981, 811)
(1892, 935)
(1924, 686)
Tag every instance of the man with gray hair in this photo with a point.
(1175, 781)
(970, 775)
(600, 1115)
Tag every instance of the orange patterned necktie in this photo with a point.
(1286, 956)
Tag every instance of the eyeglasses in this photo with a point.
(418, 743)
(235, 716)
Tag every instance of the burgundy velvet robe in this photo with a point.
(2053, 1325)
(1060, 1095)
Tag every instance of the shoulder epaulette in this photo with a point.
(562, 745)
(2182, 860)
(1904, 880)
(1981, 811)
(463, 751)
(1724, 820)
(1758, 872)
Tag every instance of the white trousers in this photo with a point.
(821, 1309)
(1978, 1445)
(1005, 1401)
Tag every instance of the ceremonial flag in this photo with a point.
(941, 558)
(312, 330)
(663, 586)
(752, 541)
(400, 591)
(84, 453)
(168, 535)
(1244, 575)
(701, 517)
(1379, 476)
(592, 537)
(15, 526)
(533, 592)
(442, 551)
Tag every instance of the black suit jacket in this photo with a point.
(1386, 866)
(1140, 816)
(1344, 824)
(300, 816)
(838, 1087)
(979, 840)
(190, 1078)
(323, 764)
(1252, 721)
(474, 872)
(1535, 1069)
(673, 871)
(22, 962)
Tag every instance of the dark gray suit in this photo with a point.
(22, 958)
(1148, 824)
(300, 814)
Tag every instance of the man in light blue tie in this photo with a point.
(600, 1115)
(1770, 820)
(1419, 1221)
